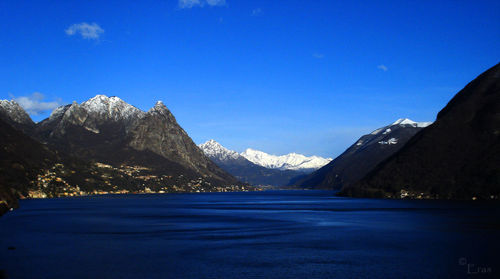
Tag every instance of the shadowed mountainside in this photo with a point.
(458, 157)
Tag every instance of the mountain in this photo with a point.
(13, 114)
(243, 169)
(292, 161)
(458, 157)
(111, 131)
(363, 156)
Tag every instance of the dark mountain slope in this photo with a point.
(362, 156)
(458, 157)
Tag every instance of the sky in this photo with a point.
(279, 76)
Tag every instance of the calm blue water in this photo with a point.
(285, 234)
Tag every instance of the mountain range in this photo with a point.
(362, 156)
(105, 145)
(259, 168)
(149, 150)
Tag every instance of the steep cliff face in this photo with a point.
(158, 131)
(361, 157)
(458, 157)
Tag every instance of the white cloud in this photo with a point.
(87, 31)
(318, 55)
(383, 67)
(35, 105)
(187, 4)
(257, 12)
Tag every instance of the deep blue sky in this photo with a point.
(279, 76)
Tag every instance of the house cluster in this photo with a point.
(51, 183)
(407, 194)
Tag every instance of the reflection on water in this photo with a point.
(284, 234)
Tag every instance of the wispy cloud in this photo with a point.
(88, 31)
(318, 55)
(34, 104)
(383, 67)
(188, 4)
(256, 12)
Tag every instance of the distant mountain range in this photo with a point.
(457, 157)
(152, 151)
(363, 156)
(291, 161)
(259, 168)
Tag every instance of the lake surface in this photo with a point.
(281, 234)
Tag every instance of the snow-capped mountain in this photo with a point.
(363, 155)
(108, 129)
(217, 152)
(247, 171)
(292, 161)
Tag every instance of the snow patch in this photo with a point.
(406, 121)
(389, 142)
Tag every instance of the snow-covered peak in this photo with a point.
(15, 112)
(406, 121)
(292, 161)
(112, 107)
(215, 150)
(402, 122)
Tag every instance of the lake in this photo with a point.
(275, 234)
